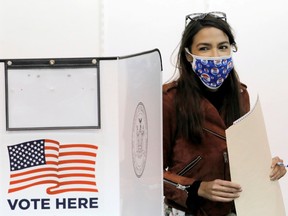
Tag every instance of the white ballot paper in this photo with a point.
(250, 161)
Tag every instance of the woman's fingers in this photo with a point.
(219, 190)
(277, 171)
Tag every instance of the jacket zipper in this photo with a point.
(225, 155)
(189, 166)
(183, 172)
(214, 133)
(177, 185)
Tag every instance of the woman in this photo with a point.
(197, 109)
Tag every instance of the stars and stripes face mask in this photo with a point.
(212, 71)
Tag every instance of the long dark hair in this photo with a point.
(190, 90)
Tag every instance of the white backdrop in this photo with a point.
(65, 28)
(54, 28)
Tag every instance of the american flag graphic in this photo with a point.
(65, 167)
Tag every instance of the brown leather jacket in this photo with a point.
(185, 163)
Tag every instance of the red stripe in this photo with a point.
(77, 182)
(51, 163)
(11, 190)
(77, 175)
(50, 192)
(52, 141)
(76, 168)
(76, 161)
(51, 148)
(33, 171)
(32, 178)
(79, 146)
(77, 153)
(51, 155)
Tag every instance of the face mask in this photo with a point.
(212, 71)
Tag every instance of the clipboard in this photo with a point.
(250, 161)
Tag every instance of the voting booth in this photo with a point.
(81, 136)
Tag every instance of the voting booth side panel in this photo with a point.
(69, 171)
(140, 134)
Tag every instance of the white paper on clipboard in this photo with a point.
(250, 162)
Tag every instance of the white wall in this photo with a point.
(54, 28)
(76, 28)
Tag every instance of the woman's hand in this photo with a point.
(277, 171)
(219, 190)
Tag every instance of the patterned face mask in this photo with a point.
(212, 71)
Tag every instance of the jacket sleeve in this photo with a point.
(171, 192)
(245, 98)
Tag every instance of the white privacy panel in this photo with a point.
(140, 116)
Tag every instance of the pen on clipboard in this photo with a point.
(281, 164)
